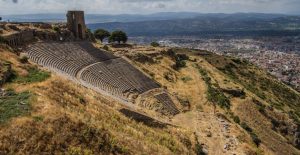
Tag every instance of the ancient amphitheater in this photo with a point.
(70, 53)
(99, 70)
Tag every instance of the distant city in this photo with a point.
(280, 56)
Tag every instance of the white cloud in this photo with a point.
(148, 6)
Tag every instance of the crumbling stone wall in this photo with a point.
(19, 38)
(17, 34)
(76, 24)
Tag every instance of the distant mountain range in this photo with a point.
(101, 18)
(182, 23)
(239, 24)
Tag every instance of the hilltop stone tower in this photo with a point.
(76, 24)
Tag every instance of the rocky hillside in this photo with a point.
(229, 107)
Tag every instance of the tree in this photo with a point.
(118, 36)
(101, 34)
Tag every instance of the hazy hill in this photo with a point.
(105, 18)
(239, 24)
(101, 18)
(182, 23)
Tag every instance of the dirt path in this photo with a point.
(216, 134)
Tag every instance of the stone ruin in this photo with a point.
(76, 24)
(18, 34)
(103, 72)
(17, 39)
(65, 49)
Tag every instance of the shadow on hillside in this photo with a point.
(96, 53)
(143, 119)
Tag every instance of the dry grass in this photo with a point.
(60, 111)
(257, 117)
(263, 128)
(68, 118)
(195, 91)
(191, 90)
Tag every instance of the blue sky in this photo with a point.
(149, 6)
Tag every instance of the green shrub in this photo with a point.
(179, 64)
(56, 29)
(253, 135)
(106, 48)
(246, 127)
(216, 96)
(82, 100)
(236, 119)
(262, 110)
(181, 57)
(142, 58)
(38, 118)
(186, 79)
(171, 53)
(237, 60)
(275, 123)
(214, 93)
(235, 92)
(261, 107)
(151, 74)
(199, 149)
(255, 139)
(34, 75)
(180, 60)
(184, 102)
(155, 44)
(169, 77)
(24, 59)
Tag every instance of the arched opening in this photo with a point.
(80, 31)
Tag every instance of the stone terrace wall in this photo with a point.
(19, 38)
